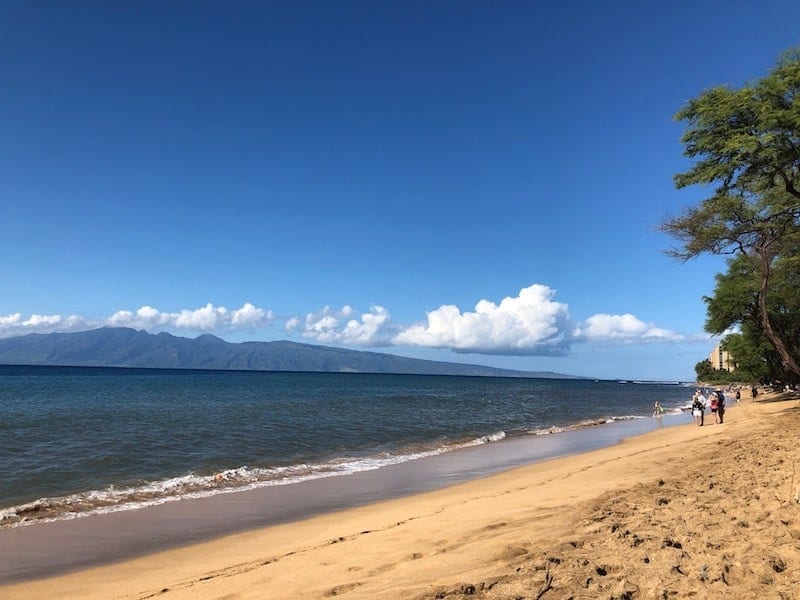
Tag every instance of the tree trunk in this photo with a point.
(789, 363)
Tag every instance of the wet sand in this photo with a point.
(679, 511)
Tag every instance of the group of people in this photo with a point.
(715, 401)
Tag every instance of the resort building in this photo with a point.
(721, 360)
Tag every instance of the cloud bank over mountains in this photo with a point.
(532, 323)
(207, 318)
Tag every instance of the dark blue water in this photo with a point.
(85, 440)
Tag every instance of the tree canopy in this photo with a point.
(746, 140)
(746, 143)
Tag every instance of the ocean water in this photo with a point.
(82, 441)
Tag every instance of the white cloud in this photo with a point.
(531, 323)
(331, 326)
(250, 316)
(12, 320)
(14, 324)
(370, 330)
(38, 321)
(624, 328)
(144, 318)
(206, 318)
(322, 325)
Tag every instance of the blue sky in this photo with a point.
(465, 181)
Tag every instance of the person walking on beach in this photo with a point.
(720, 406)
(703, 405)
(697, 408)
(714, 404)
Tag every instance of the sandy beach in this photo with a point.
(709, 512)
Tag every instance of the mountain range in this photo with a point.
(125, 347)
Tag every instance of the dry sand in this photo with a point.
(704, 512)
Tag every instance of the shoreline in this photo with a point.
(37, 549)
(99, 502)
(468, 532)
(114, 466)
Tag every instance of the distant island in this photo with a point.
(126, 347)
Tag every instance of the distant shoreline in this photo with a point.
(145, 370)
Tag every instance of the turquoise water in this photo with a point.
(76, 441)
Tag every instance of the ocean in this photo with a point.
(78, 441)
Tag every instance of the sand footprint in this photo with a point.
(343, 589)
(382, 569)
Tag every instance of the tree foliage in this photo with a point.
(756, 360)
(704, 370)
(746, 139)
(746, 143)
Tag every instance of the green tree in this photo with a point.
(704, 370)
(747, 145)
(734, 304)
(735, 299)
(756, 360)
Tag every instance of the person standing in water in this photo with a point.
(658, 410)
